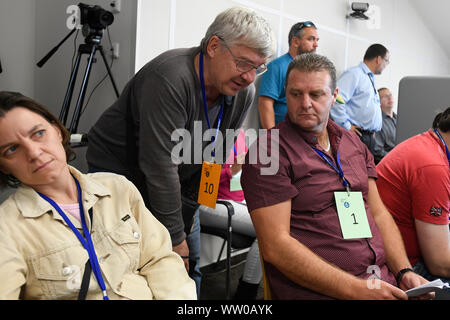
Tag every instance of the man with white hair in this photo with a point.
(210, 84)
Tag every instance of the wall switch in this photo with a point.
(116, 6)
(115, 50)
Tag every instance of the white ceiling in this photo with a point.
(436, 14)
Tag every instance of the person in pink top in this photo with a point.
(229, 189)
(414, 184)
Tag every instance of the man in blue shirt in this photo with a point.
(272, 96)
(361, 112)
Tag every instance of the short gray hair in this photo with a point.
(312, 62)
(242, 26)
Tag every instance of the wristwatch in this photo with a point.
(401, 273)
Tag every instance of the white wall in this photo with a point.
(164, 25)
(17, 45)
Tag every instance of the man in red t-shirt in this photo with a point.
(414, 184)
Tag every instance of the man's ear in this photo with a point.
(379, 60)
(335, 95)
(213, 46)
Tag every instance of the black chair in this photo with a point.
(234, 241)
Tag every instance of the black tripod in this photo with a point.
(90, 47)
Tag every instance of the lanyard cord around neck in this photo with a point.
(338, 169)
(373, 82)
(87, 243)
(445, 145)
(205, 105)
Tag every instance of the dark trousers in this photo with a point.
(368, 138)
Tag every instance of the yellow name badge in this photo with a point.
(209, 184)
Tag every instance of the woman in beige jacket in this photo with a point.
(61, 224)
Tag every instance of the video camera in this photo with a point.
(93, 20)
(95, 16)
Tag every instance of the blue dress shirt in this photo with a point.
(362, 102)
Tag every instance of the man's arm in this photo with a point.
(347, 84)
(434, 245)
(266, 112)
(301, 265)
(162, 111)
(396, 257)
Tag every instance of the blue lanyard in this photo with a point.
(205, 105)
(445, 145)
(87, 244)
(338, 169)
(373, 82)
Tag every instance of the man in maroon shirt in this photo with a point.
(303, 236)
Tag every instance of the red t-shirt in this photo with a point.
(414, 183)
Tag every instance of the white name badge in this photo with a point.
(352, 215)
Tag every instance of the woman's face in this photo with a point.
(31, 148)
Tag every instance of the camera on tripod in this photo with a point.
(93, 20)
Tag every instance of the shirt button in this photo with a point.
(100, 260)
(136, 235)
(66, 271)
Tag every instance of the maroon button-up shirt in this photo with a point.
(310, 183)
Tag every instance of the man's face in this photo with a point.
(386, 99)
(309, 99)
(382, 63)
(225, 61)
(308, 42)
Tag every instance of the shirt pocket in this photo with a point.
(59, 272)
(127, 237)
(358, 177)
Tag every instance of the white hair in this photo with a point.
(242, 26)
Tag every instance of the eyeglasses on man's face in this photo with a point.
(302, 25)
(386, 60)
(244, 65)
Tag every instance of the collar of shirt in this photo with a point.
(31, 205)
(334, 134)
(385, 115)
(365, 68)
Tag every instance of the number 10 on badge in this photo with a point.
(209, 184)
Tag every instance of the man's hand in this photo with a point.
(411, 280)
(355, 129)
(183, 250)
(382, 291)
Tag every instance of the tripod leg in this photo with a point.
(109, 71)
(69, 92)
(77, 112)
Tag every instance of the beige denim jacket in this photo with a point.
(41, 258)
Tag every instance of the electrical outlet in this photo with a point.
(116, 6)
(115, 50)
